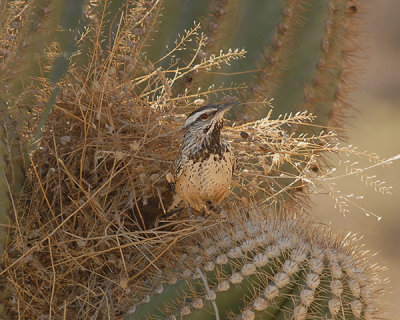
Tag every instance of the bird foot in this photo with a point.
(219, 214)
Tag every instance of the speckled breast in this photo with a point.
(206, 180)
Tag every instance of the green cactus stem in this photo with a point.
(270, 269)
(292, 46)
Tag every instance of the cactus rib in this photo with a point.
(270, 269)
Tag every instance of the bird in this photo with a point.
(205, 164)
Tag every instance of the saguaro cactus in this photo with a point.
(297, 51)
(276, 268)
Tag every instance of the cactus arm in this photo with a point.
(42, 28)
(330, 77)
(272, 274)
(35, 38)
(20, 72)
(305, 50)
(44, 25)
(66, 37)
(295, 47)
(227, 25)
(221, 25)
(248, 27)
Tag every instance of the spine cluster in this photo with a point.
(263, 271)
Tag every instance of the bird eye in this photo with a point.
(204, 116)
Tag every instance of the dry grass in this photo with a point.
(97, 182)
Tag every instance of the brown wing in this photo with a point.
(178, 166)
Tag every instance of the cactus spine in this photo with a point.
(276, 268)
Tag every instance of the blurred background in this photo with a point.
(375, 129)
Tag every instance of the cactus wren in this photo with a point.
(205, 164)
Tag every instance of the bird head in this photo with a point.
(206, 118)
(203, 126)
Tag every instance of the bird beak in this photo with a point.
(225, 107)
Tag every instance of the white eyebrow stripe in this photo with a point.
(196, 115)
(190, 120)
